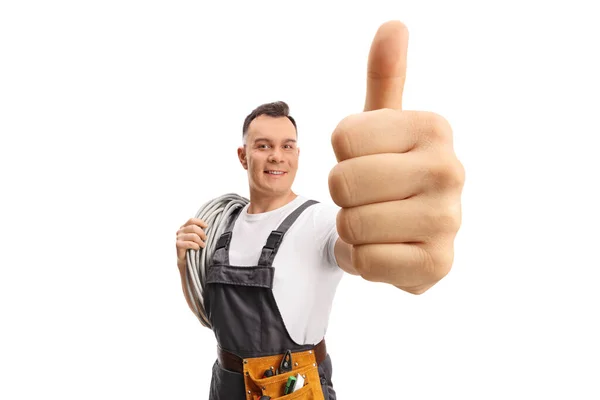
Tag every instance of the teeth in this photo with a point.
(275, 172)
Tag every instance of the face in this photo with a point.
(270, 155)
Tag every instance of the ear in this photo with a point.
(241, 151)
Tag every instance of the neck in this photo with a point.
(260, 203)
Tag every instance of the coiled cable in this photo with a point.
(215, 213)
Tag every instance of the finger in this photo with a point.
(191, 237)
(403, 264)
(387, 131)
(414, 220)
(193, 229)
(386, 70)
(378, 178)
(398, 262)
(183, 246)
(196, 221)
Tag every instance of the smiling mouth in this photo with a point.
(275, 173)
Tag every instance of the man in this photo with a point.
(398, 183)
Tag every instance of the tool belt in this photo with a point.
(267, 377)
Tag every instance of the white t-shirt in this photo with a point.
(306, 271)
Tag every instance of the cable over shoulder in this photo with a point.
(215, 213)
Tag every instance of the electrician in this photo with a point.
(398, 185)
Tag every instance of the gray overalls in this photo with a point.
(240, 305)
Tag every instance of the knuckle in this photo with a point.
(455, 179)
(446, 173)
(435, 174)
(453, 176)
(441, 259)
(455, 217)
(443, 264)
(436, 128)
(445, 218)
(441, 127)
(459, 174)
(199, 232)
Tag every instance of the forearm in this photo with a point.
(182, 273)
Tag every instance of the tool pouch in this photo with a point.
(303, 363)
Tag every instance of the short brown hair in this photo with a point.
(274, 109)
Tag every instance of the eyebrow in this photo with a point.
(268, 140)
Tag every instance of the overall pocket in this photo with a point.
(225, 384)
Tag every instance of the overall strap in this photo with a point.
(274, 240)
(221, 254)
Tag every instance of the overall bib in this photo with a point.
(240, 305)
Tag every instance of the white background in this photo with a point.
(119, 119)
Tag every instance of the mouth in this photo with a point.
(275, 173)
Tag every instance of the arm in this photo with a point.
(182, 273)
(191, 235)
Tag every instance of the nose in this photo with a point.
(275, 156)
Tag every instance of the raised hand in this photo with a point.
(398, 180)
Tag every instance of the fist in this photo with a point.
(398, 181)
(191, 235)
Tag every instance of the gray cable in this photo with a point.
(215, 213)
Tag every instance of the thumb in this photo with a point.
(386, 70)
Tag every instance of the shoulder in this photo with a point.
(325, 210)
(320, 210)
